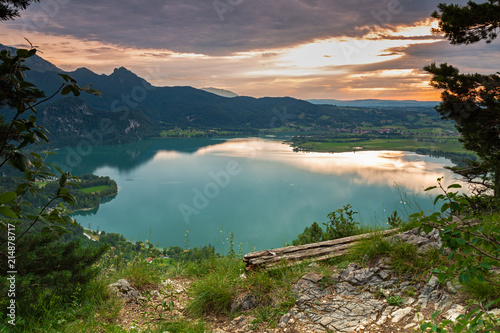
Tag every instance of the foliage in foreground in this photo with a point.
(472, 100)
(474, 248)
(40, 272)
(341, 224)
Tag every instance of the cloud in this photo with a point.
(299, 48)
(197, 26)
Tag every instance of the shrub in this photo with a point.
(341, 224)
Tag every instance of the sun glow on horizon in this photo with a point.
(317, 66)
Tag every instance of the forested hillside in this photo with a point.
(131, 109)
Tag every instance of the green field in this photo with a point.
(95, 189)
(444, 144)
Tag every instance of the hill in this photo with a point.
(136, 109)
(374, 103)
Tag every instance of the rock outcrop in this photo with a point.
(366, 299)
(123, 289)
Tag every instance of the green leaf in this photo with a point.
(427, 229)
(42, 135)
(454, 206)
(430, 188)
(6, 211)
(57, 168)
(7, 197)
(75, 91)
(67, 78)
(20, 162)
(455, 186)
(439, 197)
(435, 314)
(22, 53)
(445, 207)
(425, 326)
(31, 53)
(66, 90)
(485, 265)
(63, 179)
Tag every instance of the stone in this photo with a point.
(353, 302)
(349, 269)
(123, 289)
(360, 276)
(421, 240)
(385, 274)
(344, 289)
(313, 277)
(430, 292)
(408, 301)
(307, 285)
(455, 311)
(400, 314)
(385, 315)
(411, 325)
(418, 317)
(495, 313)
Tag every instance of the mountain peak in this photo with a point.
(84, 70)
(122, 70)
(126, 76)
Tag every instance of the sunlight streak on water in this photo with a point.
(366, 167)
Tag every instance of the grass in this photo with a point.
(410, 144)
(215, 289)
(95, 189)
(273, 290)
(406, 261)
(217, 282)
(483, 290)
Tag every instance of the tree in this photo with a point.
(472, 100)
(47, 269)
(474, 249)
(469, 24)
(9, 9)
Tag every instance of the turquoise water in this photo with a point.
(259, 189)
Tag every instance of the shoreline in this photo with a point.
(90, 208)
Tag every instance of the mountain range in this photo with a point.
(131, 108)
(371, 103)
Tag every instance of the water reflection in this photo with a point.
(275, 196)
(406, 169)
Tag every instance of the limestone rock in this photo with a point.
(123, 289)
(421, 240)
(400, 314)
(454, 312)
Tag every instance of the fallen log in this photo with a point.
(293, 255)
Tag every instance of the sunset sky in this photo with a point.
(306, 49)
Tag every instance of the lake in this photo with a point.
(257, 188)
